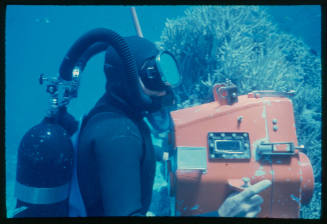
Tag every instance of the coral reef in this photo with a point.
(212, 43)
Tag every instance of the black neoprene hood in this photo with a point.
(141, 49)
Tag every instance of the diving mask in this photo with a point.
(159, 71)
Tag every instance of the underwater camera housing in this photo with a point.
(236, 141)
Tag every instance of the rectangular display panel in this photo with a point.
(229, 145)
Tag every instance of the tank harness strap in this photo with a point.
(37, 195)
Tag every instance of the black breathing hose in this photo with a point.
(104, 36)
(84, 43)
(90, 52)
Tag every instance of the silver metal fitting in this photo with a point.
(246, 182)
(274, 121)
(275, 127)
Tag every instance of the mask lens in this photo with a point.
(168, 69)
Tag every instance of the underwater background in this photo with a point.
(284, 40)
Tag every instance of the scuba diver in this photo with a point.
(115, 152)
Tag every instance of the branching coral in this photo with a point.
(241, 43)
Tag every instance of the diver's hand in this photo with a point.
(246, 203)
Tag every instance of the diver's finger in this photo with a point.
(252, 190)
(253, 213)
(251, 204)
(255, 200)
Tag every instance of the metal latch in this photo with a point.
(276, 148)
(270, 93)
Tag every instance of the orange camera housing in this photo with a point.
(226, 145)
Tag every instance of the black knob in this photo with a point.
(41, 78)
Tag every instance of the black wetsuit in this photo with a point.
(116, 161)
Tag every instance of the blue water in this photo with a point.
(38, 37)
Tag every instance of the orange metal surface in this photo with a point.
(286, 178)
(198, 192)
(307, 184)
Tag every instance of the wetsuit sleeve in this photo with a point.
(118, 152)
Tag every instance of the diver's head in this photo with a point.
(157, 72)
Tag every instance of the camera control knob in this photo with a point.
(246, 182)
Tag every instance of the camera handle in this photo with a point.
(225, 93)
